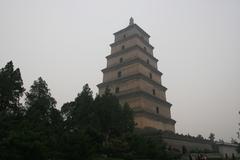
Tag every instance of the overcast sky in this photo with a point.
(197, 44)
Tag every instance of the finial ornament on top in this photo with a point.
(131, 21)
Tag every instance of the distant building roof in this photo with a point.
(226, 144)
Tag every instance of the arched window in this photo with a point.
(116, 89)
(150, 75)
(153, 92)
(119, 74)
(124, 36)
(147, 61)
(123, 47)
(121, 60)
(157, 110)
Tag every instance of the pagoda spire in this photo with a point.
(131, 21)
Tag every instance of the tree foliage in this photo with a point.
(200, 136)
(41, 105)
(11, 88)
(43, 119)
(103, 117)
(212, 137)
(85, 128)
(238, 135)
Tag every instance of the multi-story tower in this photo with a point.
(132, 75)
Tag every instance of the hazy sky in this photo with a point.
(197, 44)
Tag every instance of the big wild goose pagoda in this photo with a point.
(132, 75)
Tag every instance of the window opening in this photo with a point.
(119, 74)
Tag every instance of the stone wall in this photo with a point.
(131, 69)
(140, 84)
(227, 150)
(147, 105)
(132, 54)
(189, 144)
(129, 42)
(125, 71)
(143, 122)
(151, 107)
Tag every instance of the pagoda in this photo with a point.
(133, 76)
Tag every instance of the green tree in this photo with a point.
(82, 110)
(66, 110)
(238, 135)
(80, 139)
(104, 113)
(238, 148)
(77, 113)
(36, 135)
(11, 88)
(41, 106)
(184, 149)
(103, 117)
(200, 136)
(114, 122)
(111, 118)
(79, 144)
(43, 121)
(127, 119)
(147, 147)
(212, 137)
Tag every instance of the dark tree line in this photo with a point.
(238, 135)
(85, 128)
